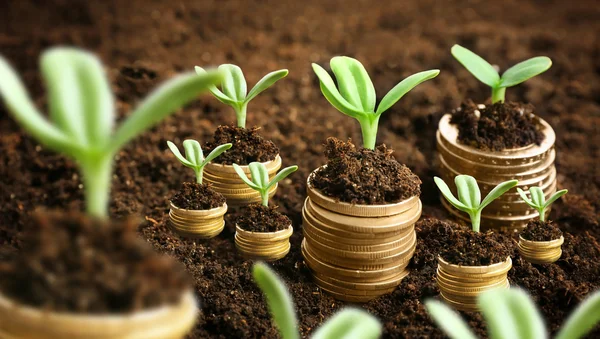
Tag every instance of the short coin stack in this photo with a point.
(268, 246)
(226, 181)
(532, 165)
(541, 252)
(200, 224)
(358, 252)
(460, 285)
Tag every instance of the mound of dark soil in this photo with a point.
(194, 196)
(259, 218)
(537, 230)
(465, 247)
(248, 146)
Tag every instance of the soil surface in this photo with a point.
(497, 127)
(194, 196)
(248, 146)
(73, 263)
(465, 247)
(362, 176)
(259, 218)
(142, 43)
(537, 230)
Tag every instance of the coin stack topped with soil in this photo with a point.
(262, 233)
(358, 222)
(494, 144)
(540, 242)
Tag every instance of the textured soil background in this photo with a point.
(144, 42)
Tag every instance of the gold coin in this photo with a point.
(210, 213)
(450, 279)
(199, 233)
(469, 291)
(377, 285)
(541, 244)
(265, 256)
(268, 236)
(462, 306)
(348, 291)
(331, 241)
(466, 271)
(350, 298)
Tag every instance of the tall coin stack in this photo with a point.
(532, 165)
(358, 252)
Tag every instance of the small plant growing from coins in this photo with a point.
(355, 93)
(194, 157)
(347, 323)
(538, 200)
(259, 180)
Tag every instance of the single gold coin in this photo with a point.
(267, 236)
(391, 282)
(469, 291)
(265, 256)
(348, 291)
(331, 241)
(450, 279)
(466, 271)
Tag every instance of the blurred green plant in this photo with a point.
(260, 178)
(538, 200)
(194, 157)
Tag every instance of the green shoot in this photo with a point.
(260, 178)
(234, 87)
(82, 114)
(348, 323)
(469, 196)
(356, 94)
(487, 74)
(194, 157)
(511, 314)
(538, 200)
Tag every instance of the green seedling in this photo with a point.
(356, 94)
(349, 323)
(234, 87)
(511, 314)
(469, 196)
(194, 157)
(487, 74)
(538, 200)
(260, 178)
(82, 114)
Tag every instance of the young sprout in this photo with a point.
(487, 74)
(538, 200)
(82, 114)
(260, 178)
(233, 88)
(469, 196)
(511, 314)
(356, 94)
(348, 323)
(194, 158)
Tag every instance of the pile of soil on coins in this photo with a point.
(194, 196)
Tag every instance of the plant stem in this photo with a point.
(498, 94)
(368, 126)
(264, 194)
(475, 220)
(199, 172)
(240, 114)
(97, 175)
(542, 212)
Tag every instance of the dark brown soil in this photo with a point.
(497, 127)
(363, 176)
(194, 196)
(259, 218)
(537, 230)
(465, 247)
(248, 146)
(73, 263)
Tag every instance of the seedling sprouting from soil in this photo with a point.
(356, 94)
(82, 114)
(194, 157)
(348, 323)
(538, 200)
(260, 178)
(487, 74)
(234, 87)
(510, 313)
(469, 196)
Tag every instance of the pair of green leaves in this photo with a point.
(487, 74)
(234, 88)
(194, 157)
(260, 178)
(349, 323)
(356, 95)
(511, 314)
(538, 200)
(469, 196)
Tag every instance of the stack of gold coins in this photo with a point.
(532, 165)
(200, 224)
(358, 252)
(541, 252)
(460, 285)
(267, 246)
(225, 180)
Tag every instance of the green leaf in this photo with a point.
(279, 300)
(333, 95)
(234, 83)
(555, 197)
(266, 82)
(497, 192)
(178, 155)
(350, 323)
(260, 175)
(216, 152)
(282, 175)
(524, 70)
(468, 191)
(448, 195)
(193, 152)
(244, 177)
(404, 87)
(447, 319)
(583, 319)
(354, 83)
(537, 196)
(216, 92)
(526, 199)
(475, 64)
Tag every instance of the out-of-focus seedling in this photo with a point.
(538, 200)
(194, 157)
(260, 178)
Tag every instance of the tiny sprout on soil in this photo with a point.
(194, 157)
(356, 94)
(469, 196)
(347, 323)
(538, 200)
(234, 87)
(511, 314)
(260, 178)
(82, 114)
(487, 74)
